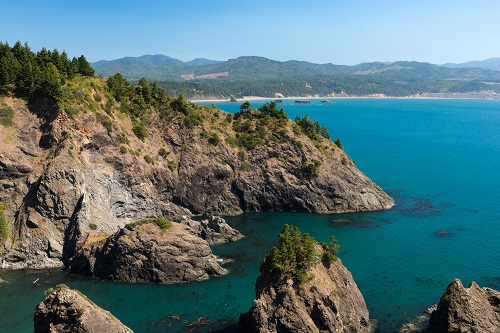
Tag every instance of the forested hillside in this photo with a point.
(257, 76)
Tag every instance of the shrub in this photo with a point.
(233, 142)
(172, 165)
(343, 160)
(163, 152)
(338, 143)
(149, 159)
(241, 155)
(312, 128)
(311, 170)
(140, 131)
(93, 226)
(245, 166)
(4, 225)
(214, 139)
(105, 121)
(6, 116)
(123, 149)
(330, 251)
(122, 137)
(159, 221)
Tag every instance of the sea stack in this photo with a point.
(325, 300)
(68, 311)
(472, 309)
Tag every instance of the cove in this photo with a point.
(438, 159)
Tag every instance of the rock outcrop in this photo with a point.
(70, 175)
(330, 302)
(148, 253)
(68, 311)
(214, 230)
(472, 310)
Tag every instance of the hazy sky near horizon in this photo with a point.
(341, 32)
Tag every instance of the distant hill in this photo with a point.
(259, 76)
(144, 66)
(492, 63)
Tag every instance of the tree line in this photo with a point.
(25, 72)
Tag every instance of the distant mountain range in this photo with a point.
(492, 63)
(251, 75)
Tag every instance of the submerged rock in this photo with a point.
(472, 309)
(148, 253)
(66, 310)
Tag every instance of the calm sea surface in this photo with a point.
(439, 160)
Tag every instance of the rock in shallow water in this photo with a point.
(330, 302)
(69, 311)
(148, 253)
(472, 309)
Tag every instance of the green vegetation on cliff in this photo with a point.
(296, 253)
(43, 73)
(159, 221)
(4, 225)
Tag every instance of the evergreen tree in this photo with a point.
(84, 67)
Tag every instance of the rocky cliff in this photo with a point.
(148, 253)
(472, 309)
(92, 161)
(325, 300)
(65, 310)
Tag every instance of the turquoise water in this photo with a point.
(439, 159)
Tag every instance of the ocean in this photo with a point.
(438, 158)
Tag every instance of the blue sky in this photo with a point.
(340, 32)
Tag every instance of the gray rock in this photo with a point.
(330, 302)
(214, 230)
(472, 309)
(148, 253)
(69, 311)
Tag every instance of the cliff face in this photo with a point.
(330, 302)
(472, 309)
(148, 253)
(66, 310)
(76, 170)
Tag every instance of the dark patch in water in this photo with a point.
(358, 221)
(443, 233)
(417, 207)
(493, 282)
(428, 281)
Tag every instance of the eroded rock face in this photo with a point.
(331, 302)
(67, 179)
(472, 309)
(67, 311)
(148, 253)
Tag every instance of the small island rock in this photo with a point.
(472, 309)
(65, 310)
